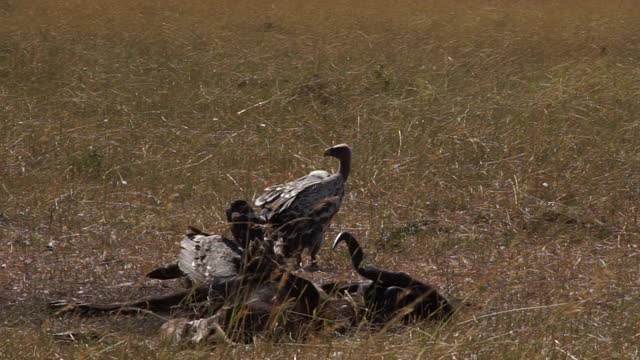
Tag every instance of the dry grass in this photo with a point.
(496, 156)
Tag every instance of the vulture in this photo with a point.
(245, 224)
(394, 295)
(299, 212)
(204, 257)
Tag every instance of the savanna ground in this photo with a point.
(496, 156)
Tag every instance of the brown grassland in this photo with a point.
(496, 156)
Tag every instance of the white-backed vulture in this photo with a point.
(299, 212)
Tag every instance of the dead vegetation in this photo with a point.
(495, 156)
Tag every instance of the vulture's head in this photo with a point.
(238, 207)
(340, 152)
(245, 225)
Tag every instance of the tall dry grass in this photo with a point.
(495, 143)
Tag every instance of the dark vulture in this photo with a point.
(245, 224)
(394, 295)
(299, 212)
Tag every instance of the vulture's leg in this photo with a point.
(314, 248)
(295, 251)
(298, 257)
(155, 303)
(311, 241)
(292, 254)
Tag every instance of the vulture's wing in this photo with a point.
(205, 257)
(279, 197)
(165, 272)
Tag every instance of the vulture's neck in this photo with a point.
(345, 167)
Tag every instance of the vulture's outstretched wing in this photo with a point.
(202, 258)
(206, 257)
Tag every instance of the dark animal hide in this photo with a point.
(394, 295)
